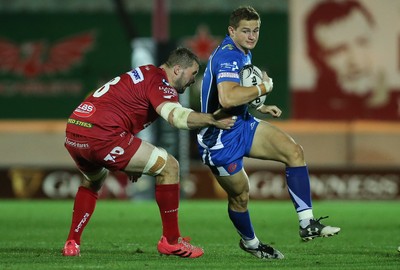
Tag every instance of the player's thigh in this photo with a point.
(148, 159)
(271, 143)
(140, 158)
(234, 185)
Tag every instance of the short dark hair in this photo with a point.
(247, 13)
(183, 57)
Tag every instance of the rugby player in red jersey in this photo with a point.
(101, 137)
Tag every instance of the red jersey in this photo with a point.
(127, 103)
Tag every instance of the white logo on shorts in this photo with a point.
(117, 151)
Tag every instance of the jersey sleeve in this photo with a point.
(161, 91)
(227, 67)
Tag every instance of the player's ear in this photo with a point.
(177, 69)
(231, 30)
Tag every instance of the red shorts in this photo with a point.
(91, 155)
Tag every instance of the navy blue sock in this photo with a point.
(242, 223)
(298, 183)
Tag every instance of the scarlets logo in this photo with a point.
(34, 58)
(86, 109)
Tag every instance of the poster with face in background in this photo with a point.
(345, 59)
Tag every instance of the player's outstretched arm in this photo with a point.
(185, 118)
(199, 120)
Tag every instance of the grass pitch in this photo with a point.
(124, 234)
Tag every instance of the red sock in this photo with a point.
(167, 198)
(85, 202)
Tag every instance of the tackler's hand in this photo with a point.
(220, 114)
(223, 119)
(133, 176)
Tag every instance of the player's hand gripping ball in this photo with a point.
(250, 75)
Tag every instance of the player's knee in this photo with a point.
(299, 153)
(172, 166)
(157, 162)
(94, 181)
(170, 173)
(296, 155)
(239, 202)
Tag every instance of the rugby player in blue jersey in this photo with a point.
(223, 150)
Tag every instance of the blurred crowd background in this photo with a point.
(335, 65)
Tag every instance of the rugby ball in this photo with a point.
(250, 75)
